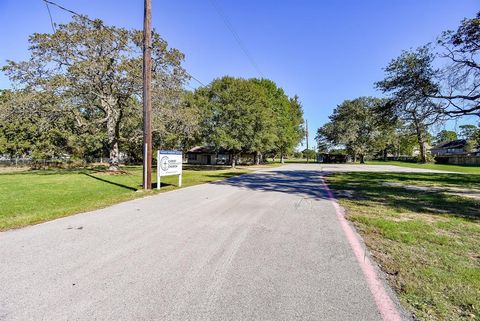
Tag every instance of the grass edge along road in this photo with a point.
(428, 243)
(35, 196)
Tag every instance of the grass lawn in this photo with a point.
(29, 197)
(443, 167)
(427, 243)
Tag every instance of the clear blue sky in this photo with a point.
(324, 51)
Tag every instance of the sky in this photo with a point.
(323, 51)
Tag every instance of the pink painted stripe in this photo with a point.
(384, 304)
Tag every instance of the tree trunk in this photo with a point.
(234, 160)
(423, 151)
(385, 155)
(362, 159)
(282, 158)
(257, 158)
(421, 142)
(114, 115)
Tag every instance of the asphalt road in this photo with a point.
(264, 246)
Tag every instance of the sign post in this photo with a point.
(169, 162)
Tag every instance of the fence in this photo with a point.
(459, 160)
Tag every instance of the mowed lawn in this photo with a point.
(427, 242)
(29, 197)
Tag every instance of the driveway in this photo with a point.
(264, 246)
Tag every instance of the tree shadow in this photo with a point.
(224, 175)
(162, 184)
(112, 183)
(304, 183)
(369, 187)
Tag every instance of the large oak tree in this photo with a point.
(93, 73)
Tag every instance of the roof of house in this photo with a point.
(458, 143)
(207, 150)
(212, 150)
(202, 150)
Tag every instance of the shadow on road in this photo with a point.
(306, 183)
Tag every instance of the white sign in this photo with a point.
(169, 162)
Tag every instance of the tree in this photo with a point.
(30, 134)
(237, 116)
(249, 115)
(445, 136)
(469, 132)
(287, 113)
(93, 73)
(354, 125)
(325, 137)
(291, 127)
(408, 80)
(406, 141)
(176, 120)
(309, 153)
(461, 78)
(277, 104)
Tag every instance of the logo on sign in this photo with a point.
(164, 163)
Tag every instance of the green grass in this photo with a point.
(427, 243)
(29, 197)
(442, 167)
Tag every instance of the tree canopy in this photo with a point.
(354, 124)
(249, 115)
(91, 73)
(408, 84)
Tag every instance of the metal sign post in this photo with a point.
(169, 162)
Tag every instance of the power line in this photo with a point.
(195, 78)
(47, 2)
(236, 36)
(50, 15)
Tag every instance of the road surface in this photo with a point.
(263, 246)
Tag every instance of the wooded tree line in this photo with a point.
(423, 87)
(79, 94)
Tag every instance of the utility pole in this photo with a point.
(306, 136)
(147, 95)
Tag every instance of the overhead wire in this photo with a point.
(236, 36)
(47, 2)
(50, 15)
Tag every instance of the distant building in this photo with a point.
(208, 155)
(454, 147)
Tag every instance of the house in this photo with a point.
(454, 147)
(333, 158)
(208, 155)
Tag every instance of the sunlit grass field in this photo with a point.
(427, 242)
(34, 196)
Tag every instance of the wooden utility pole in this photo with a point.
(306, 136)
(147, 95)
